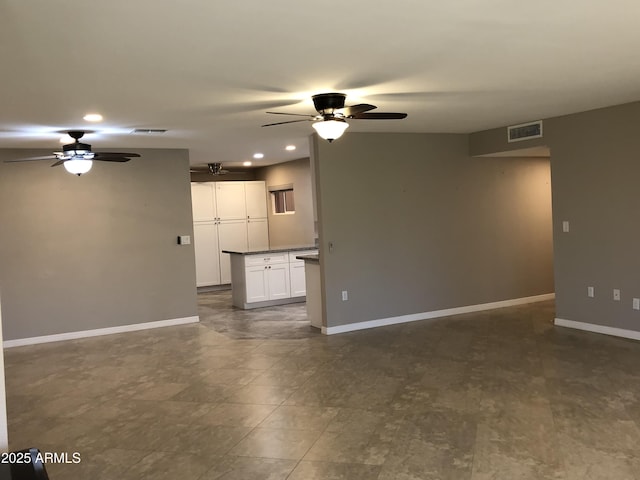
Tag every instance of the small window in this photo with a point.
(283, 201)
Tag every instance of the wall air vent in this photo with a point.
(149, 131)
(525, 131)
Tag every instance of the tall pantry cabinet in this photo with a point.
(226, 216)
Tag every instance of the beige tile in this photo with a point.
(276, 443)
(205, 393)
(260, 394)
(237, 414)
(300, 418)
(229, 376)
(334, 471)
(249, 468)
(169, 466)
(101, 465)
(488, 395)
(151, 390)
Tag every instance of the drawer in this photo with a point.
(265, 259)
(293, 255)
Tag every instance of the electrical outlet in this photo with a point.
(616, 294)
(590, 292)
(345, 296)
(636, 303)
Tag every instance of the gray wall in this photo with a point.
(595, 172)
(297, 228)
(80, 253)
(417, 225)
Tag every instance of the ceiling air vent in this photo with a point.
(525, 131)
(149, 131)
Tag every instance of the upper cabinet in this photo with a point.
(203, 202)
(256, 197)
(230, 200)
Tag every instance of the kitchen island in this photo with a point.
(314, 295)
(262, 278)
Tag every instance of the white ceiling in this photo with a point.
(207, 70)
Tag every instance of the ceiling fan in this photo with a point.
(78, 158)
(330, 122)
(214, 169)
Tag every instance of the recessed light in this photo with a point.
(247, 163)
(258, 155)
(290, 148)
(93, 117)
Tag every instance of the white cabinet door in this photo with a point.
(232, 235)
(256, 195)
(256, 283)
(258, 234)
(230, 201)
(298, 283)
(203, 201)
(278, 281)
(205, 245)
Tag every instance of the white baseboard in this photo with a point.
(592, 327)
(381, 322)
(59, 337)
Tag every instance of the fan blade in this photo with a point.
(106, 155)
(59, 162)
(111, 159)
(379, 116)
(31, 159)
(290, 121)
(294, 114)
(349, 112)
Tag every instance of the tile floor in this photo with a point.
(493, 395)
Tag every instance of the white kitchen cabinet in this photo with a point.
(265, 278)
(224, 208)
(258, 234)
(203, 202)
(278, 281)
(256, 198)
(298, 282)
(296, 272)
(230, 200)
(205, 244)
(256, 284)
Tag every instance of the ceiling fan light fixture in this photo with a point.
(75, 155)
(78, 166)
(331, 129)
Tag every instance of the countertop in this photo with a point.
(272, 250)
(309, 258)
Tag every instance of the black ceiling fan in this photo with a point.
(333, 114)
(214, 169)
(77, 156)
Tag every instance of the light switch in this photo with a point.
(616, 294)
(184, 240)
(565, 226)
(590, 292)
